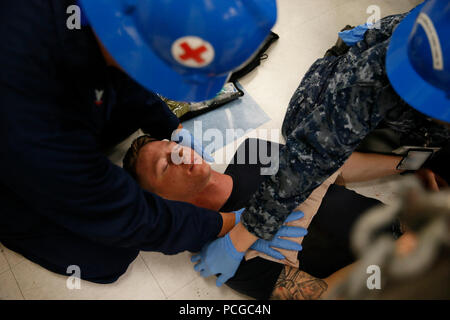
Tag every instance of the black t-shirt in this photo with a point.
(326, 248)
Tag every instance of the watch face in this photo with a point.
(414, 160)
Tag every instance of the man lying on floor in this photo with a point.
(326, 249)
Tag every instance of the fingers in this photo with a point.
(286, 244)
(185, 138)
(199, 267)
(207, 157)
(432, 183)
(265, 247)
(274, 254)
(197, 146)
(296, 215)
(429, 179)
(177, 136)
(221, 280)
(204, 272)
(291, 232)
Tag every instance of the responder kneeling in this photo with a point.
(352, 119)
(397, 77)
(66, 95)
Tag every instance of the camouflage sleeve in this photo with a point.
(339, 101)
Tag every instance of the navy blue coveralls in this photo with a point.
(62, 202)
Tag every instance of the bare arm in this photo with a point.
(241, 238)
(295, 284)
(359, 167)
(368, 166)
(228, 219)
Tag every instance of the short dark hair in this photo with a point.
(130, 159)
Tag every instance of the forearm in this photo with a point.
(241, 238)
(368, 166)
(323, 138)
(228, 221)
(295, 284)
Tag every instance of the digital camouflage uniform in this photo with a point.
(338, 103)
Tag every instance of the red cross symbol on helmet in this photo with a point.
(193, 52)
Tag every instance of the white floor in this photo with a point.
(307, 28)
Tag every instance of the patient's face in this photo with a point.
(157, 172)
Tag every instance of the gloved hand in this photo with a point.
(218, 257)
(353, 36)
(265, 246)
(185, 138)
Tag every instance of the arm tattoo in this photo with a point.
(294, 284)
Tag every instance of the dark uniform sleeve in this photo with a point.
(152, 114)
(54, 166)
(49, 152)
(339, 101)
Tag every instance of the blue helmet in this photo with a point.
(184, 50)
(418, 59)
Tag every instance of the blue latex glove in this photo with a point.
(266, 247)
(237, 216)
(353, 36)
(218, 257)
(185, 138)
